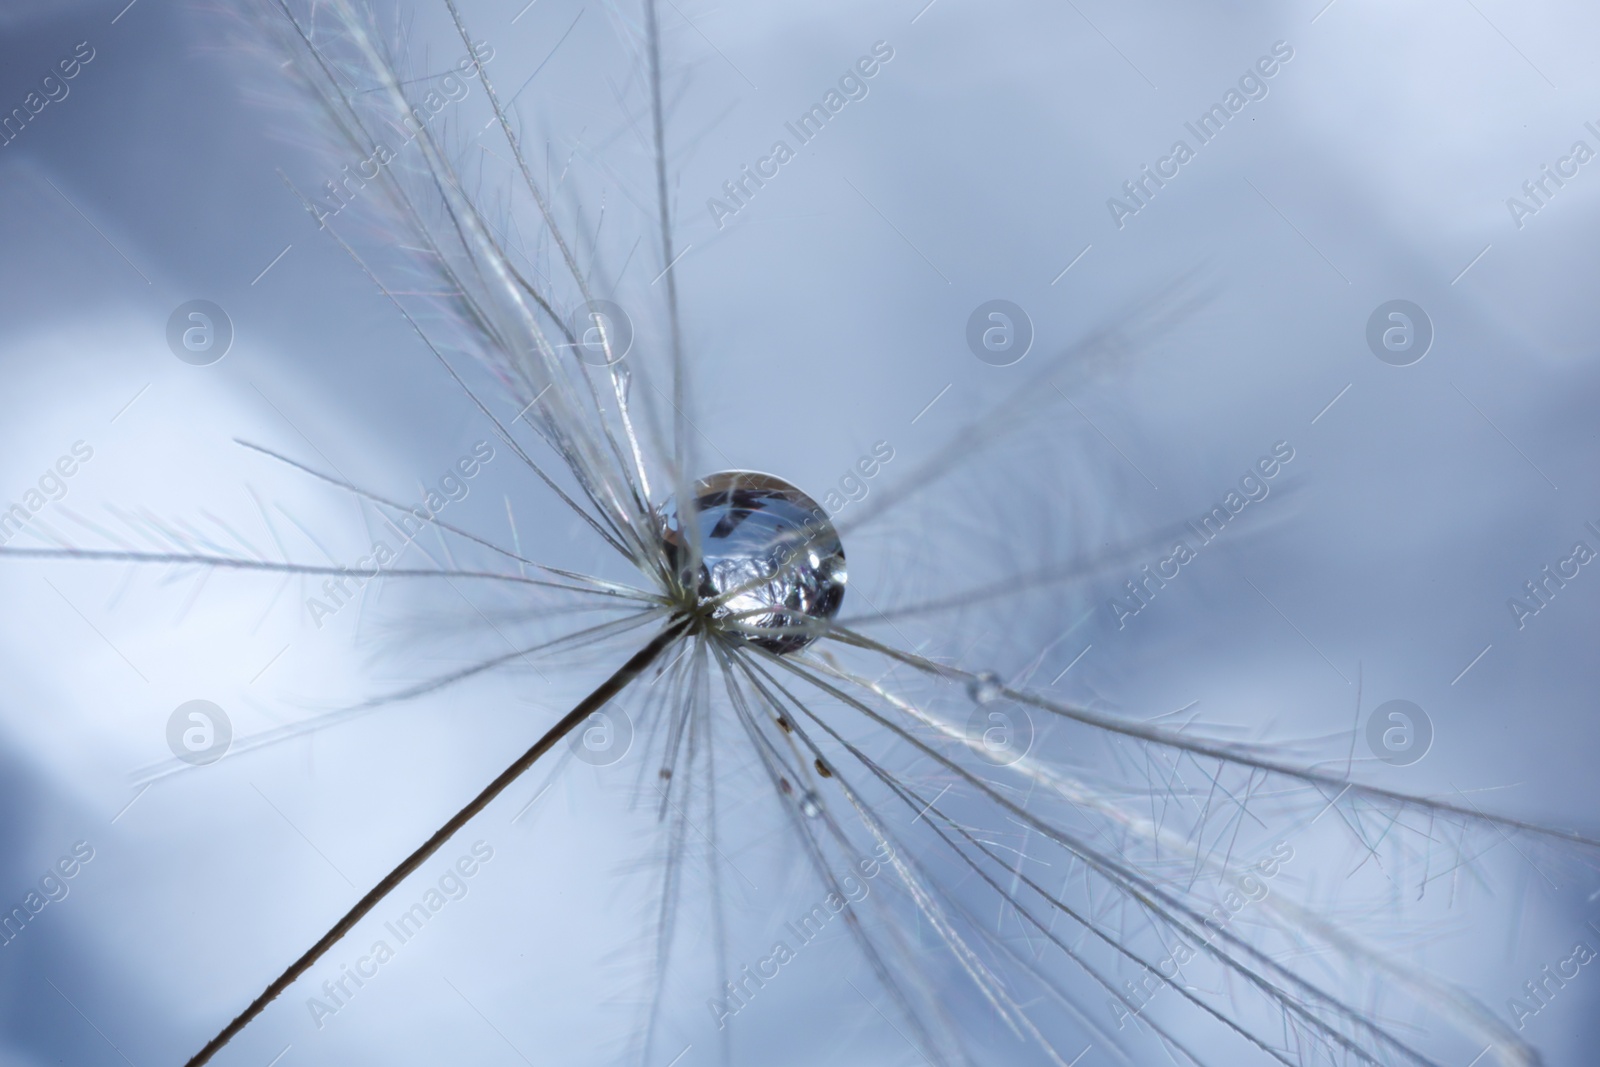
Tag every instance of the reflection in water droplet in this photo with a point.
(765, 539)
(985, 687)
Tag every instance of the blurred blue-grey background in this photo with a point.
(823, 316)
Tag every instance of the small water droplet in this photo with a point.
(809, 807)
(766, 539)
(985, 687)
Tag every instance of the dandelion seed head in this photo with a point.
(1121, 878)
(761, 562)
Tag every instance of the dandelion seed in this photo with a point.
(1172, 907)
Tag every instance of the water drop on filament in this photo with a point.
(769, 545)
(985, 688)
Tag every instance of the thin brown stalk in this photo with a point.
(637, 665)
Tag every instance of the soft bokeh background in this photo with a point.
(978, 167)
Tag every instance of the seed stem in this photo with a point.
(593, 702)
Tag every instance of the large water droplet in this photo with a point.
(768, 544)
